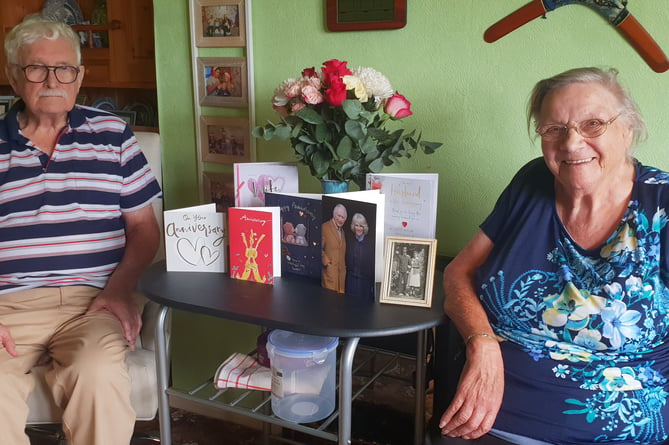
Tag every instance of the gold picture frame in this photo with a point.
(219, 23)
(224, 140)
(408, 276)
(222, 81)
(218, 188)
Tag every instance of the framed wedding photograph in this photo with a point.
(408, 275)
(224, 140)
(219, 23)
(219, 188)
(222, 81)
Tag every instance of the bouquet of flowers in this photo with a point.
(336, 121)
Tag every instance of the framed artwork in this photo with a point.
(219, 23)
(219, 188)
(130, 117)
(222, 81)
(363, 15)
(408, 275)
(6, 103)
(225, 140)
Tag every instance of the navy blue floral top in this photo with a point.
(585, 354)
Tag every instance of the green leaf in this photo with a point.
(321, 133)
(320, 163)
(376, 165)
(310, 116)
(307, 138)
(355, 130)
(352, 108)
(368, 146)
(345, 148)
(430, 147)
(282, 132)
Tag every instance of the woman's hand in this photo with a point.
(478, 398)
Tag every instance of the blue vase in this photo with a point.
(334, 186)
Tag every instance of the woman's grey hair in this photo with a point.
(607, 78)
(360, 219)
(35, 27)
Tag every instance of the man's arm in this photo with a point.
(142, 240)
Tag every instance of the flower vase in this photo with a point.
(334, 186)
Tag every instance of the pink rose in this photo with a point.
(292, 89)
(311, 95)
(398, 106)
(297, 106)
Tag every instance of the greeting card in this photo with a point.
(195, 239)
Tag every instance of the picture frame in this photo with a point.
(129, 116)
(219, 23)
(224, 140)
(222, 81)
(365, 15)
(218, 188)
(6, 103)
(408, 281)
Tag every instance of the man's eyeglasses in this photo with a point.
(589, 128)
(39, 73)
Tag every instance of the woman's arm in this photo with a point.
(479, 394)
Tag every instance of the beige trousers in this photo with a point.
(87, 375)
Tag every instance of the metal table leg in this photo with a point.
(346, 390)
(162, 366)
(419, 419)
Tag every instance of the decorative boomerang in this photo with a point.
(615, 11)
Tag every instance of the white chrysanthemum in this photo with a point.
(375, 83)
(280, 99)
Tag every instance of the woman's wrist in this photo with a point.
(481, 336)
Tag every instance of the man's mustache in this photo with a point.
(52, 94)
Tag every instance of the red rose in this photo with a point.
(335, 68)
(398, 106)
(309, 72)
(336, 93)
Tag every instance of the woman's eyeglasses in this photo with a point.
(589, 128)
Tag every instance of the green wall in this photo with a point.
(466, 93)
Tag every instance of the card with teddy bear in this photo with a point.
(300, 215)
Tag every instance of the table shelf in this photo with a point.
(373, 364)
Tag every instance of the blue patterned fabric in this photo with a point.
(585, 354)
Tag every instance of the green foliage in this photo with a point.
(344, 143)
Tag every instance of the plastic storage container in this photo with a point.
(303, 375)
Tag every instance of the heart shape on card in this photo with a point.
(404, 223)
(197, 254)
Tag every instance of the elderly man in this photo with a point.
(333, 246)
(76, 231)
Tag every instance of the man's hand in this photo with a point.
(7, 341)
(125, 309)
(478, 398)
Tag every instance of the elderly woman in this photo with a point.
(561, 296)
(360, 259)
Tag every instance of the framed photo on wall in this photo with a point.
(219, 23)
(408, 274)
(225, 140)
(222, 81)
(219, 188)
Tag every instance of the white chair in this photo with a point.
(141, 362)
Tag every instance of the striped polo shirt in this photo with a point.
(61, 215)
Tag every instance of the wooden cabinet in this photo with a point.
(124, 69)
